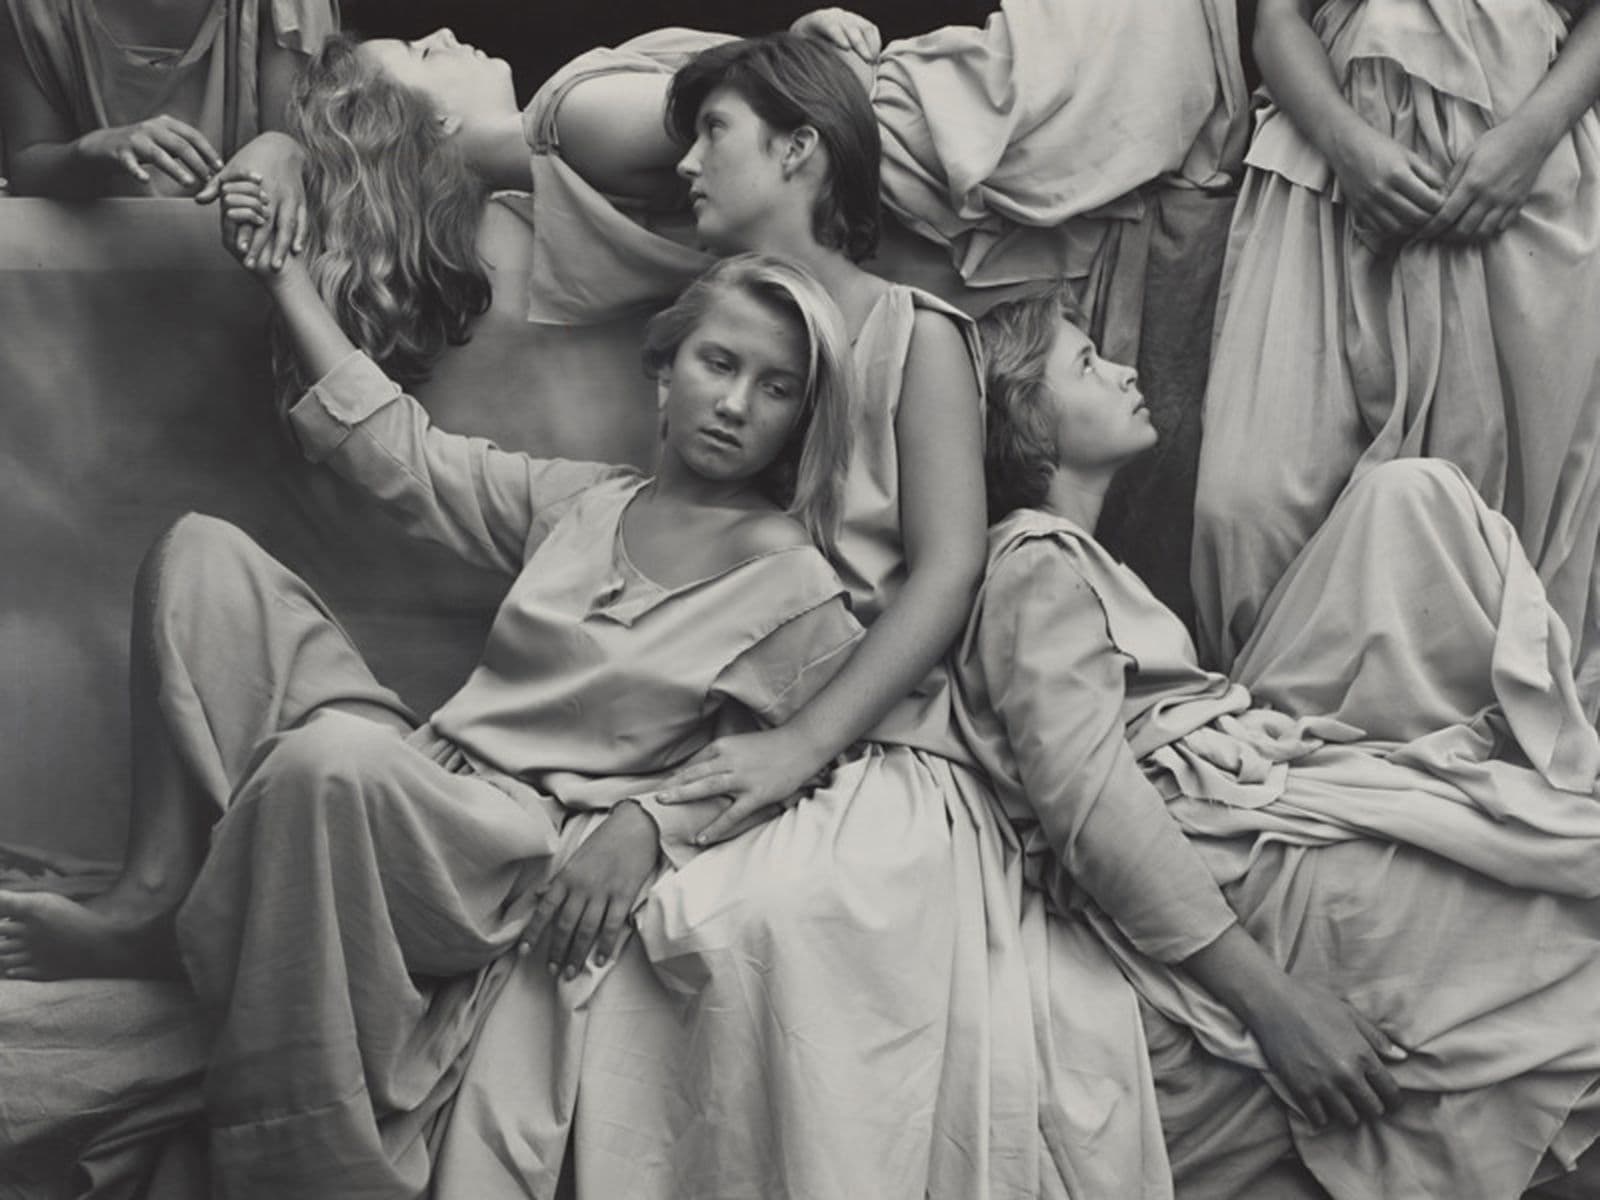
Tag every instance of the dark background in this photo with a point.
(536, 38)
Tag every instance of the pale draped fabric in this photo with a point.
(1396, 794)
(847, 1001)
(1332, 356)
(96, 82)
(1019, 146)
(363, 876)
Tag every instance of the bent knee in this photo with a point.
(333, 761)
(1414, 483)
(197, 553)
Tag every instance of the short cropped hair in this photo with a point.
(1020, 451)
(807, 477)
(791, 81)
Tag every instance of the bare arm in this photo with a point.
(1392, 190)
(612, 131)
(942, 526)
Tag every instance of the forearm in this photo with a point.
(1301, 79)
(1568, 90)
(58, 169)
(318, 341)
(899, 650)
(1239, 973)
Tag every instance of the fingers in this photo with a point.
(739, 816)
(156, 155)
(283, 234)
(697, 781)
(129, 161)
(573, 931)
(611, 933)
(302, 226)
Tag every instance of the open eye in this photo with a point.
(717, 363)
(780, 388)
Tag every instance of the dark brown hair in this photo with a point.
(792, 81)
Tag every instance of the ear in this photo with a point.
(801, 147)
(663, 385)
(449, 123)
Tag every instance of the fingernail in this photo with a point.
(552, 968)
(599, 960)
(571, 974)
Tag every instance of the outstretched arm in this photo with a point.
(1392, 190)
(942, 528)
(487, 505)
(1056, 681)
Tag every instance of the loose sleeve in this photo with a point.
(1056, 681)
(775, 677)
(488, 505)
(771, 681)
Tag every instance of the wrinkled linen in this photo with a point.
(1396, 795)
(95, 82)
(361, 873)
(1022, 163)
(1331, 356)
(842, 1002)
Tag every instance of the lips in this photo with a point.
(721, 437)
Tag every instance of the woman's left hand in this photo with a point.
(757, 772)
(586, 905)
(1487, 186)
(273, 160)
(846, 31)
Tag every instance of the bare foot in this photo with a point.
(46, 936)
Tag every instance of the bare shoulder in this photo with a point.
(939, 350)
(763, 531)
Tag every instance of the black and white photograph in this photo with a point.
(693, 600)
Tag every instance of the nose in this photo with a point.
(1129, 380)
(733, 403)
(689, 165)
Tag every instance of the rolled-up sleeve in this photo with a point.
(491, 506)
(1056, 681)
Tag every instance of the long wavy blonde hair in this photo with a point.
(394, 212)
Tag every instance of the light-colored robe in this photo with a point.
(1396, 796)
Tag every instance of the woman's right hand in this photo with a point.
(1392, 192)
(165, 143)
(1328, 1057)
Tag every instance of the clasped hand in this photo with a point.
(263, 201)
(1395, 194)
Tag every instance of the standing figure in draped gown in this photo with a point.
(1353, 885)
(1411, 271)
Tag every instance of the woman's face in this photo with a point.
(734, 390)
(735, 173)
(460, 81)
(1101, 418)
